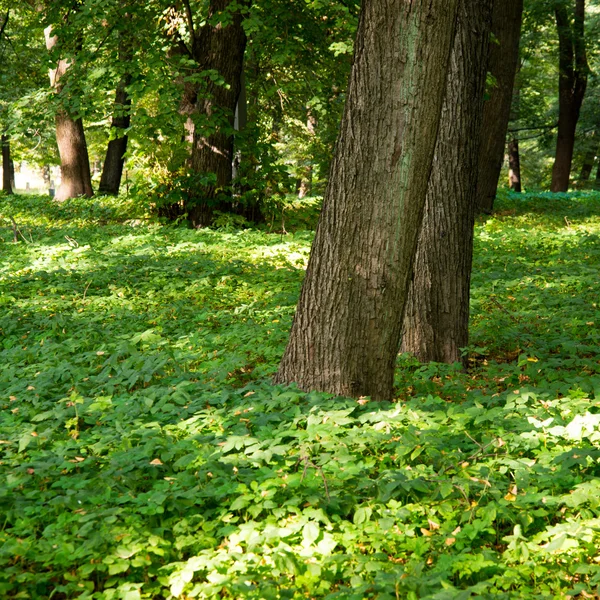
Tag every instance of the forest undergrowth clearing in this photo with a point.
(144, 453)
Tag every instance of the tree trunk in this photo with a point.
(572, 83)
(110, 181)
(436, 322)
(6, 166)
(514, 166)
(346, 332)
(597, 180)
(588, 160)
(76, 179)
(504, 55)
(215, 47)
(306, 178)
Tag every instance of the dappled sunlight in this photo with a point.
(146, 452)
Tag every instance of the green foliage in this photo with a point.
(144, 453)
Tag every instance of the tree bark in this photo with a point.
(514, 166)
(110, 181)
(76, 179)
(588, 160)
(504, 55)
(217, 46)
(572, 83)
(436, 322)
(6, 166)
(306, 177)
(346, 332)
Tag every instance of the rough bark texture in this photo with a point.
(503, 58)
(112, 171)
(76, 179)
(436, 322)
(572, 83)
(6, 166)
(346, 332)
(219, 48)
(514, 166)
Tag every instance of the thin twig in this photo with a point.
(512, 317)
(86, 289)
(17, 230)
(307, 462)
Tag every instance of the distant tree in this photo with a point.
(211, 91)
(572, 83)
(112, 171)
(7, 166)
(504, 55)
(70, 137)
(346, 332)
(436, 321)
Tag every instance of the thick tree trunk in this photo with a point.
(573, 73)
(217, 47)
(346, 332)
(76, 179)
(514, 166)
(436, 322)
(6, 166)
(504, 55)
(110, 181)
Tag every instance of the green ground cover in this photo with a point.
(144, 453)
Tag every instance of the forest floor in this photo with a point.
(145, 454)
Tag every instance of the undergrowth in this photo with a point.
(145, 454)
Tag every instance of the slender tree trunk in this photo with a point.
(216, 47)
(504, 55)
(514, 166)
(436, 322)
(588, 160)
(346, 333)
(573, 73)
(597, 180)
(6, 166)
(305, 188)
(110, 181)
(76, 179)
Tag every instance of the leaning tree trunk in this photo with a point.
(504, 55)
(346, 332)
(112, 171)
(6, 166)
(436, 322)
(217, 46)
(76, 179)
(572, 83)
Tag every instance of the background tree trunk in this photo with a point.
(112, 171)
(504, 55)
(514, 166)
(573, 74)
(76, 179)
(219, 48)
(6, 166)
(588, 160)
(436, 322)
(346, 332)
